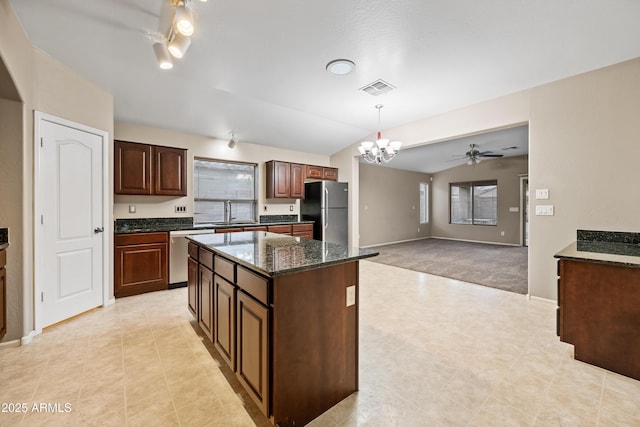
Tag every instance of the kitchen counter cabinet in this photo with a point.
(283, 320)
(599, 299)
(141, 263)
(599, 313)
(3, 293)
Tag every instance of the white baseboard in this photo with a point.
(29, 338)
(111, 301)
(476, 241)
(546, 300)
(393, 243)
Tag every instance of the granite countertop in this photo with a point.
(4, 238)
(606, 247)
(151, 225)
(276, 254)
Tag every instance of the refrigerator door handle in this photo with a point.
(326, 207)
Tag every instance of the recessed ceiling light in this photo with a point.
(340, 67)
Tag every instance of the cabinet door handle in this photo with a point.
(98, 230)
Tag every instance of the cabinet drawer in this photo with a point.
(206, 258)
(255, 228)
(313, 172)
(330, 174)
(193, 250)
(225, 268)
(139, 238)
(302, 227)
(281, 229)
(254, 285)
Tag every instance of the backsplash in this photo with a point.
(278, 218)
(608, 236)
(146, 223)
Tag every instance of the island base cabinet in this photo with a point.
(205, 319)
(192, 286)
(253, 350)
(224, 320)
(599, 313)
(3, 294)
(315, 342)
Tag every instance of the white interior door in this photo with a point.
(70, 239)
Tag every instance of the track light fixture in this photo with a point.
(233, 141)
(183, 20)
(178, 45)
(162, 55)
(175, 41)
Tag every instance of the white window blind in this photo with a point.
(215, 182)
(424, 203)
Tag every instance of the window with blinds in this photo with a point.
(216, 182)
(474, 202)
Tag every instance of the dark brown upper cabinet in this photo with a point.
(145, 169)
(285, 180)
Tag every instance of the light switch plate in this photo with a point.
(351, 295)
(514, 209)
(542, 193)
(544, 210)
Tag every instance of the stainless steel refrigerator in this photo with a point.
(327, 203)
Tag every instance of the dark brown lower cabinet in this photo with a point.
(192, 285)
(599, 313)
(3, 294)
(206, 301)
(225, 320)
(141, 263)
(253, 351)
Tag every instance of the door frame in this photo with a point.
(39, 118)
(523, 207)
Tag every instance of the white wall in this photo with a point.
(201, 146)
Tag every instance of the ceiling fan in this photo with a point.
(473, 156)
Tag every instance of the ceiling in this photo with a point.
(258, 67)
(432, 158)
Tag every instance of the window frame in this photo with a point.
(426, 203)
(254, 202)
(473, 185)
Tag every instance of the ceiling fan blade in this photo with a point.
(491, 155)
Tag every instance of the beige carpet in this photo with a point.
(496, 266)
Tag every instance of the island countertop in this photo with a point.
(275, 254)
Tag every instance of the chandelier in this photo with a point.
(381, 150)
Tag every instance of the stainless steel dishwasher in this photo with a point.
(178, 255)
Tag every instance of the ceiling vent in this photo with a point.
(377, 88)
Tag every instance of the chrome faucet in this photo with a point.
(227, 211)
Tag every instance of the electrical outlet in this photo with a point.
(290, 208)
(502, 233)
(132, 208)
(351, 295)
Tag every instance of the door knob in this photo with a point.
(98, 230)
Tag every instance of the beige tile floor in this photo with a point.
(433, 352)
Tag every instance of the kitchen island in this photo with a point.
(599, 299)
(282, 311)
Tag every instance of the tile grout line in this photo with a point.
(604, 380)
